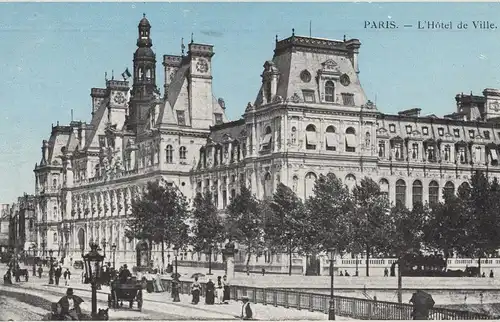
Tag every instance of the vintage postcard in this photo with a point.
(249, 161)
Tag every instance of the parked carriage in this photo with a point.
(125, 292)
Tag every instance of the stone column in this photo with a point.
(229, 252)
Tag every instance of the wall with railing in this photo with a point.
(344, 306)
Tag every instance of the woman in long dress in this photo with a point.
(195, 290)
(209, 296)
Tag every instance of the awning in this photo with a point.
(494, 155)
(311, 138)
(266, 139)
(350, 140)
(331, 139)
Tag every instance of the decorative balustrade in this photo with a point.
(356, 308)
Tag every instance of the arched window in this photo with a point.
(182, 153)
(401, 192)
(350, 140)
(54, 238)
(449, 189)
(330, 139)
(433, 192)
(463, 187)
(169, 154)
(417, 192)
(384, 187)
(267, 139)
(310, 179)
(54, 183)
(268, 188)
(311, 139)
(329, 91)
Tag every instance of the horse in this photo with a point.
(21, 272)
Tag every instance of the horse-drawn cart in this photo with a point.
(129, 292)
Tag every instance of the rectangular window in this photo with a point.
(486, 135)
(471, 134)
(181, 119)
(311, 140)
(440, 131)
(425, 130)
(456, 132)
(308, 96)
(266, 142)
(392, 128)
(381, 149)
(218, 118)
(493, 155)
(348, 99)
(414, 151)
(408, 129)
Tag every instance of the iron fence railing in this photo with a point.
(356, 308)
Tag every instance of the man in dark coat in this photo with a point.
(124, 274)
(70, 305)
(210, 293)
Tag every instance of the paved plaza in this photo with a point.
(157, 306)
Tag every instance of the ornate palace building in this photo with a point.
(310, 117)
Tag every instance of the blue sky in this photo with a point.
(51, 54)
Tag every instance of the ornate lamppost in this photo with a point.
(93, 262)
(331, 309)
(51, 267)
(113, 249)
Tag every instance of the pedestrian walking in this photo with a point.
(226, 296)
(40, 271)
(219, 292)
(491, 273)
(246, 310)
(67, 277)
(57, 274)
(386, 272)
(195, 291)
(209, 295)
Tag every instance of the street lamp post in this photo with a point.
(51, 267)
(93, 261)
(331, 309)
(175, 280)
(113, 249)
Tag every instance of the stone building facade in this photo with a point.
(310, 117)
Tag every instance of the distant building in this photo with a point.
(4, 227)
(310, 117)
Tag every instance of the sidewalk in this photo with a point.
(161, 306)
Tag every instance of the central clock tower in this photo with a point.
(200, 84)
(144, 86)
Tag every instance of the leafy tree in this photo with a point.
(285, 226)
(328, 215)
(208, 228)
(481, 217)
(244, 222)
(405, 234)
(445, 229)
(370, 219)
(159, 217)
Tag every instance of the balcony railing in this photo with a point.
(356, 308)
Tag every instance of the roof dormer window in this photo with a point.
(329, 91)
